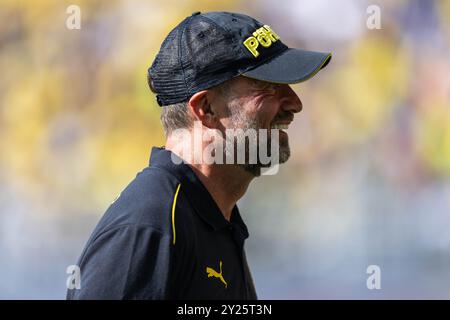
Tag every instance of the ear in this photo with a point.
(201, 108)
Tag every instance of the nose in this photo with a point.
(289, 100)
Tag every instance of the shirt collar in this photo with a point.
(198, 195)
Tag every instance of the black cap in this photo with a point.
(207, 49)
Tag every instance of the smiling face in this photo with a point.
(259, 105)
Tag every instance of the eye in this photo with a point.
(272, 87)
(266, 86)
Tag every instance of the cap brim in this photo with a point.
(291, 66)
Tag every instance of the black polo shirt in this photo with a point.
(165, 238)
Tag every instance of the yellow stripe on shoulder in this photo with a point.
(174, 204)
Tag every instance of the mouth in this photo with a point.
(279, 126)
(282, 123)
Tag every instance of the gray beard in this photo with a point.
(241, 121)
(255, 169)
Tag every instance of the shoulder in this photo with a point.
(147, 201)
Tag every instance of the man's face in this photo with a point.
(261, 105)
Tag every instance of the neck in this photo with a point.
(226, 183)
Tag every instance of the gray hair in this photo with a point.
(176, 116)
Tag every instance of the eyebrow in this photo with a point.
(263, 85)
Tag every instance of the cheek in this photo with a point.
(263, 108)
(267, 110)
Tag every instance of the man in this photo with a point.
(175, 232)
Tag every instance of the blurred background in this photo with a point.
(368, 182)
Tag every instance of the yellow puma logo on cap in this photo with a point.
(213, 273)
